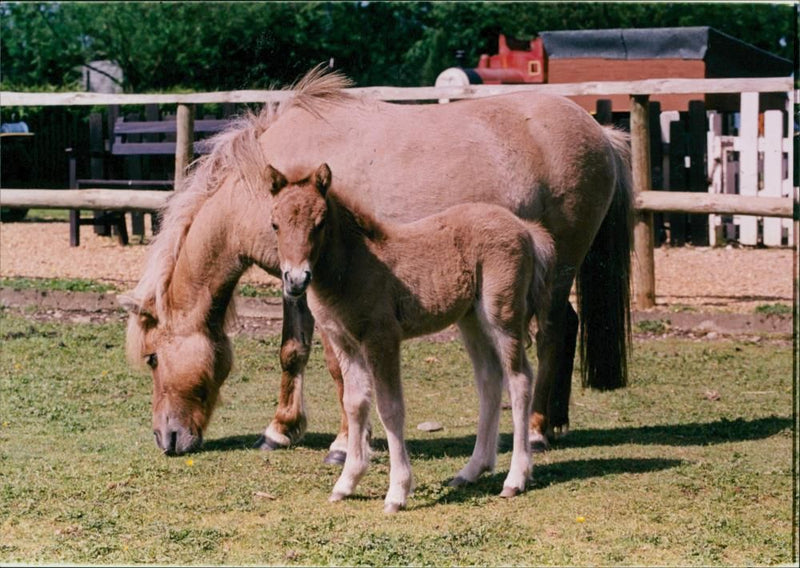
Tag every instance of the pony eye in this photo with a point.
(275, 227)
(151, 360)
(201, 393)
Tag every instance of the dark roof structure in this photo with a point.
(724, 56)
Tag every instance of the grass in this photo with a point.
(655, 327)
(61, 215)
(654, 474)
(84, 285)
(61, 284)
(774, 309)
(259, 291)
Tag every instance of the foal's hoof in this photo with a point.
(458, 481)
(392, 508)
(509, 492)
(335, 457)
(267, 444)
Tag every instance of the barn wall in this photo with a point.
(579, 70)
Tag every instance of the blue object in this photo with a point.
(14, 128)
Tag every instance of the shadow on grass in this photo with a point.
(312, 440)
(691, 434)
(552, 474)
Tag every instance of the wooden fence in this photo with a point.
(646, 200)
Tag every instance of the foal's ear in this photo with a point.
(276, 179)
(322, 178)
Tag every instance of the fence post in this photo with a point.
(748, 163)
(184, 143)
(644, 280)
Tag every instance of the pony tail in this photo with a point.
(544, 256)
(603, 282)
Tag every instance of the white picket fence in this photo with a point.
(757, 162)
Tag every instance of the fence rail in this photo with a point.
(646, 201)
(601, 88)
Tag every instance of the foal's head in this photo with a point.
(299, 213)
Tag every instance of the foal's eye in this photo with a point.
(151, 360)
(275, 227)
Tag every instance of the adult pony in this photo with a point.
(540, 156)
(370, 285)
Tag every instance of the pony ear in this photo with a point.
(322, 178)
(133, 305)
(276, 179)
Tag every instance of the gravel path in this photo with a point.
(726, 279)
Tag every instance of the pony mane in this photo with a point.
(235, 153)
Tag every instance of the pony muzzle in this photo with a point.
(296, 281)
(177, 441)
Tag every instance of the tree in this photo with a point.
(215, 45)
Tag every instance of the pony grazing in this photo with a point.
(370, 285)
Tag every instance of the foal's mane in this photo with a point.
(235, 153)
(356, 220)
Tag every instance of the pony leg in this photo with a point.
(289, 424)
(337, 453)
(385, 362)
(550, 339)
(488, 382)
(558, 409)
(356, 404)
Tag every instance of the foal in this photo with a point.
(370, 285)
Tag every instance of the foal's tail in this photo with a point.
(544, 256)
(603, 283)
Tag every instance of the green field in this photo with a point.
(691, 465)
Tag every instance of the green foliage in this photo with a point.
(655, 474)
(219, 45)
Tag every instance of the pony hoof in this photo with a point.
(336, 497)
(539, 446)
(392, 508)
(509, 492)
(458, 481)
(335, 457)
(267, 444)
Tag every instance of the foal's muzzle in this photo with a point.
(296, 281)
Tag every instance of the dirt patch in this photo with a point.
(702, 291)
(263, 316)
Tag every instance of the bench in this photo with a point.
(135, 156)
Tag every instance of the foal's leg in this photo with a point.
(519, 376)
(356, 403)
(289, 424)
(550, 349)
(488, 381)
(383, 355)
